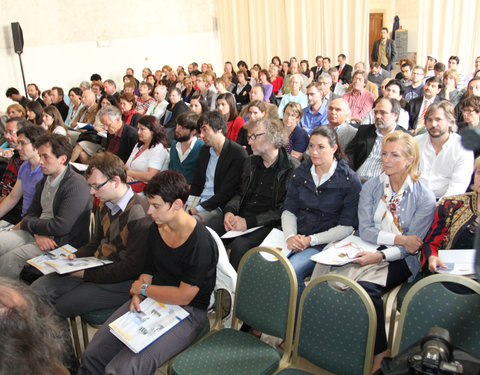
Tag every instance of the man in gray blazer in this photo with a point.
(384, 50)
(338, 115)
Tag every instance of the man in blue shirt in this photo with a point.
(316, 112)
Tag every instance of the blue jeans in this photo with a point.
(303, 267)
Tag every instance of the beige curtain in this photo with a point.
(257, 30)
(449, 27)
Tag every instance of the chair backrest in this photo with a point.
(336, 328)
(266, 293)
(431, 302)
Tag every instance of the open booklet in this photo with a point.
(137, 330)
(344, 251)
(56, 261)
(275, 239)
(458, 262)
(84, 126)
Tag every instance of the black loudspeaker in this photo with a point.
(17, 35)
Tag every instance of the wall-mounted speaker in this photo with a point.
(17, 35)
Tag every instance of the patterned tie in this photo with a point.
(421, 119)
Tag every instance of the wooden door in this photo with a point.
(376, 24)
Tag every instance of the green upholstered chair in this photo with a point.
(265, 300)
(430, 303)
(336, 328)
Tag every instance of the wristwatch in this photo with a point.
(384, 259)
(143, 289)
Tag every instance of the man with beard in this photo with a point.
(186, 147)
(445, 166)
(364, 151)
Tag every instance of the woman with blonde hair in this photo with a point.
(297, 136)
(16, 110)
(395, 212)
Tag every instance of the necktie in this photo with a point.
(421, 119)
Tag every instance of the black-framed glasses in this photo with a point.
(254, 136)
(98, 187)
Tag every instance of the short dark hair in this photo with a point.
(328, 59)
(59, 90)
(342, 56)
(95, 77)
(215, 120)
(454, 58)
(439, 67)
(471, 101)
(188, 120)
(434, 79)
(384, 28)
(11, 91)
(109, 164)
(32, 132)
(395, 104)
(201, 99)
(168, 185)
(261, 87)
(60, 145)
(398, 83)
(409, 64)
(159, 135)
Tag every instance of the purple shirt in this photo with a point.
(29, 180)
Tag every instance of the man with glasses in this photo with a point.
(218, 172)
(263, 188)
(59, 213)
(416, 88)
(121, 237)
(11, 207)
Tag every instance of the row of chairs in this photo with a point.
(335, 328)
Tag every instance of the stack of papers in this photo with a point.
(344, 251)
(458, 262)
(137, 330)
(275, 239)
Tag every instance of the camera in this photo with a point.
(436, 355)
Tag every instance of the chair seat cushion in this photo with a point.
(228, 352)
(98, 317)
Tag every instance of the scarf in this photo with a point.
(128, 115)
(390, 205)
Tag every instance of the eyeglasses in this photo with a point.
(254, 136)
(468, 110)
(98, 187)
(21, 143)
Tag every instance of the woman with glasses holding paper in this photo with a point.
(395, 212)
(454, 225)
(321, 202)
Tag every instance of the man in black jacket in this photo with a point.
(264, 185)
(218, 173)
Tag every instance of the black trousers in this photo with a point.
(240, 245)
(398, 273)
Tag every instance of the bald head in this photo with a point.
(338, 112)
(88, 98)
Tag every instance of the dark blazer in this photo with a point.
(62, 108)
(127, 142)
(346, 76)
(316, 72)
(413, 109)
(72, 205)
(243, 98)
(391, 52)
(361, 145)
(228, 174)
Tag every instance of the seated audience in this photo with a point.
(180, 269)
(336, 87)
(227, 107)
(34, 112)
(321, 203)
(198, 104)
(395, 211)
(31, 341)
(454, 225)
(263, 187)
(186, 147)
(415, 89)
(449, 90)
(275, 78)
(35, 94)
(121, 138)
(159, 106)
(47, 99)
(56, 94)
(52, 121)
(127, 104)
(445, 166)
(359, 99)
(188, 91)
(176, 107)
(110, 88)
(315, 113)
(418, 106)
(377, 74)
(258, 93)
(364, 150)
(405, 74)
(344, 70)
(15, 204)
(150, 154)
(59, 213)
(16, 110)
(13, 94)
(207, 93)
(372, 87)
(144, 100)
(338, 116)
(243, 88)
(297, 136)
(218, 173)
(121, 237)
(264, 79)
(295, 95)
(75, 95)
(471, 113)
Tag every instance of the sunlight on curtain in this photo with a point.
(257, 30)
(449, 27)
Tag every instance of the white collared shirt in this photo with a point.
(450, 171)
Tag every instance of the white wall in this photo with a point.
(61, 39)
